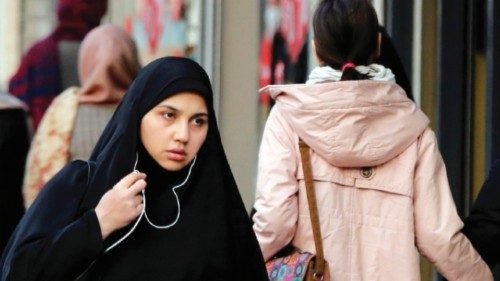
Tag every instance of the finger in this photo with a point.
(137, 187)
(137, 200)
(139, 208)
(133, 201)
(130, 179)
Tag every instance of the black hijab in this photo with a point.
(213, 216)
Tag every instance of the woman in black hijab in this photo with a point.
(180, 218)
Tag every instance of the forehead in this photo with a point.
(185, 101)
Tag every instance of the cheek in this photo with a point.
(149, 135)
(198, 141)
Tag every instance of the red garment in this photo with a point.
(37, 80)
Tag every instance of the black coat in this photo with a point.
(14, 145)
(482, 226)
(56, 239)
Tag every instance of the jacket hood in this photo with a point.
(351, 123)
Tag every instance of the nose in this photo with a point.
(182, 132)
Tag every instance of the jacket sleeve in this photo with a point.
(276, 206)
(54, 241)
(482, 227)
(437, 224)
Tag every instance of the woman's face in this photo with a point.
(175, 129)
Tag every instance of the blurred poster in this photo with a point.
(284, 45)
(165, 27)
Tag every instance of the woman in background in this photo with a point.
(107, 65)
(45, 69)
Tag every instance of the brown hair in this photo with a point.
(346, 31)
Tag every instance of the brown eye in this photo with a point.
(168, 115)
(200, 121)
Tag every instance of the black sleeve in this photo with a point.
(14, 144)
(482, 227)
(55, 240)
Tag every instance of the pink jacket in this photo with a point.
(381, 184)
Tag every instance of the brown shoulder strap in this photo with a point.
(313, 208)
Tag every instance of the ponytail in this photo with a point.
(349, 72)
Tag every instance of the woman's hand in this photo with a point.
(122, 204)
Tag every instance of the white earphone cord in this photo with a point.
(176, 198)
(143, 212)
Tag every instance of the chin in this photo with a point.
(173, 166)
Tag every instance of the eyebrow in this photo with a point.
(199, 114)
(168, 106)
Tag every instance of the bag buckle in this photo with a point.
(318, 276)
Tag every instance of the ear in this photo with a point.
(313, 47)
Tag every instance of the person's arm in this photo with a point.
(14, 146)
(54, 241)
(276, 206)
(437, 224)
(482, 227)
(19, 82)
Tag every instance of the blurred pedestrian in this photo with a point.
(39, 77)
(107, 65)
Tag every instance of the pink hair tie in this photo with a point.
(348, 65)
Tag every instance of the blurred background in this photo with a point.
(450, 51)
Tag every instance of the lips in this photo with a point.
(176, 155)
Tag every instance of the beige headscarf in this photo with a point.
(108, 63)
